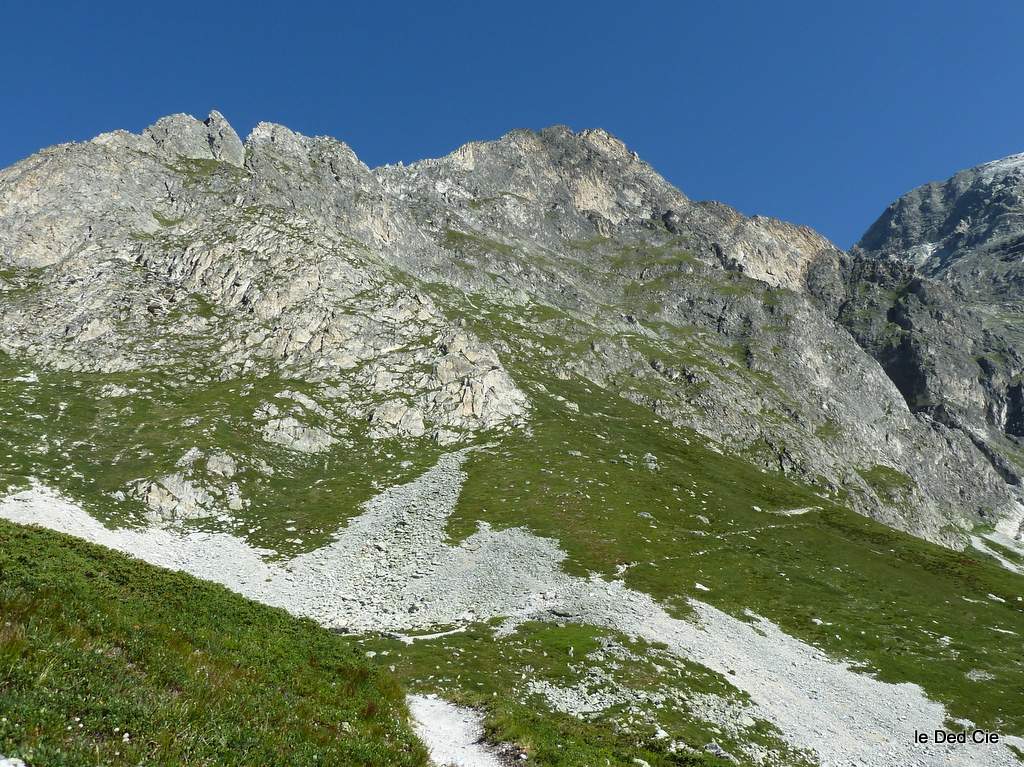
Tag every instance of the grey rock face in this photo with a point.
(957, 228)
(556, 185)
(224, 142)
(415, 300)
(182, 136)
(173, 497)
(768, 375)
(169, 251)
(222, 464)
(934, 292)
(295, 435)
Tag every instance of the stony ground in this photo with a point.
(392, 569)
(452, 734)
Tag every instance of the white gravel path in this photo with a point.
(451, 733)
(392, 569)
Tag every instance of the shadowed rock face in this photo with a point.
(933, 291)
(418, 296)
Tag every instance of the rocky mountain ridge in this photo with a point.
(185, 248)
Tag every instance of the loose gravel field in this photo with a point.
(393, 569)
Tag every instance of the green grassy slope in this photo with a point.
(58, 427)
(893, 605)
(905, 609)
(107, 660)
(896, 607)
(475, 668)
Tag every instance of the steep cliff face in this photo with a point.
(933, 292)
(183, 249)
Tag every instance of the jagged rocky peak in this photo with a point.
(977, 211)
(556, 185)
(181, 248)
(320, 176)
(551, 186)
(934, 291)
(183, 136)
(576, 181)
(223, 140)
(280, 141)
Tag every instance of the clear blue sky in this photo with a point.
(816, 112)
